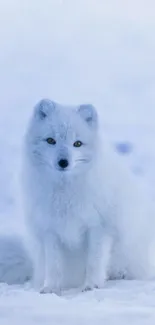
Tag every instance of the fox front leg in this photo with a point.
(53, 266)
(98, 258)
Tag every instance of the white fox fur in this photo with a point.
(15, 262)
(86, 222)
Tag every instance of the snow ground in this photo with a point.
(119, 303)
(74, 52)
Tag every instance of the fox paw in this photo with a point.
(49, 290)
(89, 288)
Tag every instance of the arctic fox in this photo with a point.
(86, 223)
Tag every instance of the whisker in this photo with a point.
(83, 160)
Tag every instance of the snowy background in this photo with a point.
(76, 51)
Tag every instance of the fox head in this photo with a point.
(62, 138)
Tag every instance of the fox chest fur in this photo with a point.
(66, 210)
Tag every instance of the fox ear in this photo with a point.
(89, 114)
(43, 108)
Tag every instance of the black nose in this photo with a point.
(63, 163)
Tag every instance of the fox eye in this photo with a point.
(51, 141)
(77, 144)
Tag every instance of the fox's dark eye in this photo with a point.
(77, 144)
(51, 141)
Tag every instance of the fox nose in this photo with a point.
(63, 163)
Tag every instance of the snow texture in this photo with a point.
(119, 303)
(76, 52)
